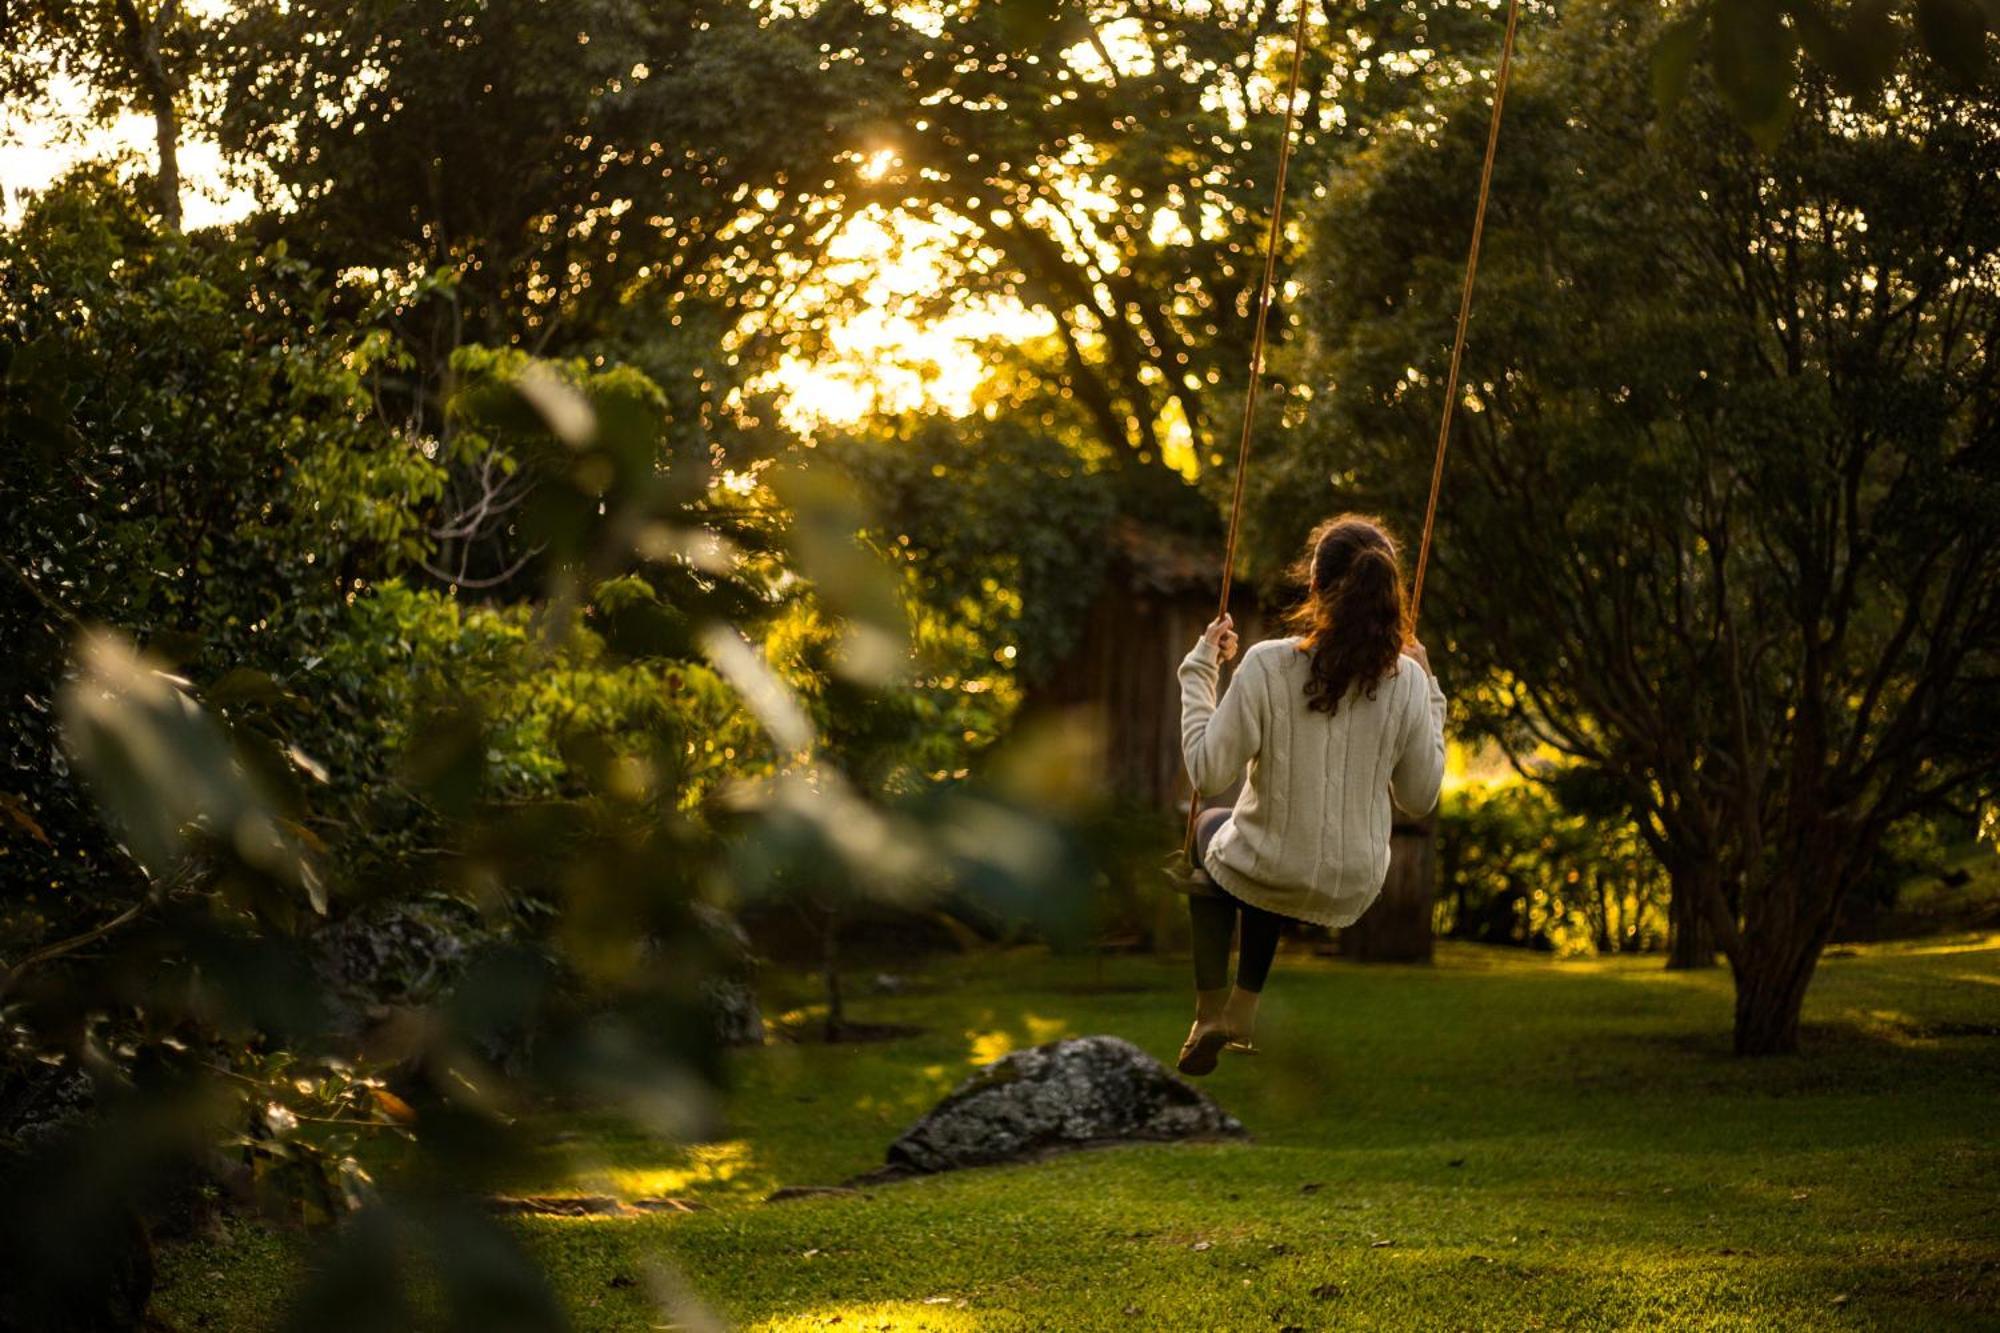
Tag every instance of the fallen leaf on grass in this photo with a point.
(17, 813)
(1201, 1245)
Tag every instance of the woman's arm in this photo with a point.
(1218, 740)
(1419, 773)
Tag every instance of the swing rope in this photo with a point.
(1271, 239)
(1464, 307)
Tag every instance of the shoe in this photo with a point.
(1201, 1051)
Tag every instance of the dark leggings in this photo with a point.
(1214, 920)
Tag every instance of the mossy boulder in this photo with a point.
(1077, 1093)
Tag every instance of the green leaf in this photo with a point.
(162, 767)
(1954, 33)
(566, 411)
(1028, 23)
(1829, 45)
(488, 1282)
(173, 646)
(1756, 65)
(356, 1280)
(244, 685)
(1673, 58)
(853, 583)
(1873, 41)
(635, 622)
(447, 757)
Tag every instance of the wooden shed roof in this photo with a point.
(1166, 562)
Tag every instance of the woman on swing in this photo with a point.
(1333, 723)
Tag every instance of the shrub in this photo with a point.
(1517, 867)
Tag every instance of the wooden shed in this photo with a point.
(1158, 595)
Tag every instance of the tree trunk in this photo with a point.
(141, 39)
(166, 134)
(1770, 995)
(1690, 938)
(1397, 928)
(1785, 929)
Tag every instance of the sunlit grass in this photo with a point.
(940, 1314)
(1500, 1141)
(1032, 1030)
(708, 1167)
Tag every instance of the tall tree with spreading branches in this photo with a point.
(132, 55)
(1722, 515)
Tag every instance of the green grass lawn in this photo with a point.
(1496, 1142)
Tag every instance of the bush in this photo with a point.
(1519, 868)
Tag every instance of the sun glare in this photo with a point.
(906, 343)
(37, 148)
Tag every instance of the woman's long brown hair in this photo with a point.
(1352, 621)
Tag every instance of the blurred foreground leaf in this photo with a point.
(165, 770)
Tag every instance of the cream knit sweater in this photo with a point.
(1309, 837)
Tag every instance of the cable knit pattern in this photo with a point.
(1309, 837)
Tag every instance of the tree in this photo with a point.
(587, 173)
(1000, 527)
(1113, 166)
(190, 456)
(1754, 49)
(638, 183)
(1722, 516)
(132, 54)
